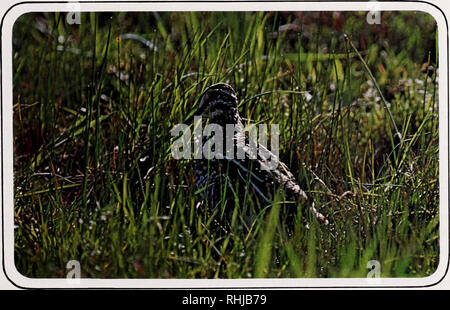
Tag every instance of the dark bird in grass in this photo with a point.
(221, 180)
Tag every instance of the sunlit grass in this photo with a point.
(90, 102)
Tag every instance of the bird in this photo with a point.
(217, 179)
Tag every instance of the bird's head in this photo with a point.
(218, 103)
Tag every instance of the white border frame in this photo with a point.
(7, 148)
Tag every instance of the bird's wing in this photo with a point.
(269, 165)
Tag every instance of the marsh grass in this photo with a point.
(91, 102)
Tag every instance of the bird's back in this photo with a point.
(226, 178)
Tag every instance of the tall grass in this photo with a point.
(91, 103)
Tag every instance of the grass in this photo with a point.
(91, 101)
